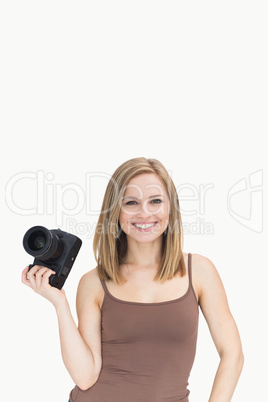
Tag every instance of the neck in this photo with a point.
(143, 254)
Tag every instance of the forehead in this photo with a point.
(145, 184)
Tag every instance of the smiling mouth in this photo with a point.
(144, 226)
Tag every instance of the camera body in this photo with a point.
(54, 249)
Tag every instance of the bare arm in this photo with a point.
(76, 354)
(81, 347)
(80, 353)
(223, 329)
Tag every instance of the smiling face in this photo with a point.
(144, 213)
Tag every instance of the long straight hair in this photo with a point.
(110, 242)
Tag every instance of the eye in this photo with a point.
(156, 201)
(129, 203)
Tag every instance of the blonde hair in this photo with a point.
(110, 242)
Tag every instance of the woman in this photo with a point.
(138, 309)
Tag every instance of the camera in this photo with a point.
(54, 249)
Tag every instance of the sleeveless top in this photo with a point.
(148, 349)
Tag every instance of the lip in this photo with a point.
(144, 223)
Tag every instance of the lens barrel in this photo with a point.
(42, 243)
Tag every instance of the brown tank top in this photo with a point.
(148, 350)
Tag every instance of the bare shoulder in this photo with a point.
(89, 286)
(203, 268)
(215, 308)
(210, 287)
(205, 275)
(200, 264)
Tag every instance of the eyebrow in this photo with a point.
(152, 196)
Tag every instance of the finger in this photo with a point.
(31, 280)
(24, 272)
(45, 279)
(41, 276)
(35, 268)
(32, 272)
(24, 278)
(32, 275)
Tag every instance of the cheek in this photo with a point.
(124, 217)
(126, 214)
(165, 215)
(163, 211)
(121, 217)
(168, 209)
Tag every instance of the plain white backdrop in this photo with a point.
(86, 86)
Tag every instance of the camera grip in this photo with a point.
(43, 265)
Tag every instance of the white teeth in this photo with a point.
(146, 226)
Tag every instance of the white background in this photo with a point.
(86, 86)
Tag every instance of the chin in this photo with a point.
(144, 239)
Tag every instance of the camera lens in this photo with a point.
(42, 243)
(36, 240)
(39, 242)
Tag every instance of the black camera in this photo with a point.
(54, 249)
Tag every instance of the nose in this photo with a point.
(143, 211)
